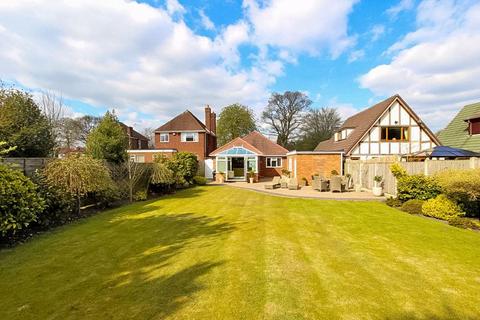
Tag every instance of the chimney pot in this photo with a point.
(208, 118)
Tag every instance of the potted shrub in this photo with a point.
(303, 182)
(220, 176)
(286, 173)
(251, 176)
(377, 189)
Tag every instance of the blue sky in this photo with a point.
(153, 59)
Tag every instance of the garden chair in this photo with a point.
(320, 184)
(293, 184)
(274, 184)
(336, 184)
(284, 182)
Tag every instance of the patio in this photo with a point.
(304, 192)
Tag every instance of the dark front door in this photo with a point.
(238, 167)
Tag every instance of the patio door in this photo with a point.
(237, 168)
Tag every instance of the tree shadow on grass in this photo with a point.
(150, 264)
(447, 314)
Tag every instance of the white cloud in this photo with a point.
(436, 67)
(206, 22)
(125, 55)
(313, 26)
(356, 55)
(377, 32)
(403, 5)
(137, 58)
(345, 110)
(174, 7)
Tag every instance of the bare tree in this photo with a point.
(136, 171)
(52, 107)
(87, 124)
(284, 114)
(318, 125)
(150, 134)
(69, 132)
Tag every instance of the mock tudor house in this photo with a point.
(186, 133)
(251, 152)
(389, 128)
(464, 130)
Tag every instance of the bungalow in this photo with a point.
(253, 152)
(464, 130)
(389, 128)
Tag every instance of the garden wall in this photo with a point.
(363, 171)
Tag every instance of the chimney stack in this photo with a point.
(214, 123)
(208, 118)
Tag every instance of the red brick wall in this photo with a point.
(198, 148)
(310, 164)
(270, 172)
(133, 143)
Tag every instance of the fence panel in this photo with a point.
(364, 171)
(26, 165)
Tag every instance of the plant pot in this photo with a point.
(251, 180)
(303, 183)
(358, 188)
(377, 191)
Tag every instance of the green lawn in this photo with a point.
(224, 253)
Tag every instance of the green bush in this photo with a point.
(398, 171)
(463, 186)
(413, 206)
(441, 207)
(140, 195)
(59, 205)
(465, 223)
(184, 165)
(19, 202)
(417, 186)
(393, 202)
(199, 180)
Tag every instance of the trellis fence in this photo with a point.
(363, 171)
(27, 165)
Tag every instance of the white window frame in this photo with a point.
(164, 135)
(277, 160)
(186, 134)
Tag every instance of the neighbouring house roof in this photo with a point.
(183, 122)
(134, 134)
(457, 135)
(255, 142)
(363, 121)
(446, 152)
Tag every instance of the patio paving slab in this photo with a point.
(305, 192)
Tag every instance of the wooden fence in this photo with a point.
(363, 171)
(27, 165)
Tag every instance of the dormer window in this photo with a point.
(343, 134)
(474, 126)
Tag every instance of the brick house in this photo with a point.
(184, 133)
(136, 140)
(251, 152)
